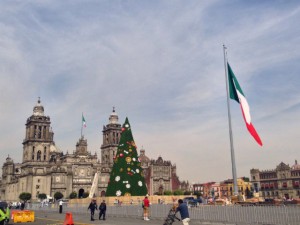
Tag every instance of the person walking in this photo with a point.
(60, 206)
(92, 207)
(102, 210)
(146, 205)
(184, 212)
(22, 205)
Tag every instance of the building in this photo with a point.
(243, 184)
(281, 182)
(46, 169)
(160, 175)
(224, 188)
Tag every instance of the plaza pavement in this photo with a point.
(55, 218)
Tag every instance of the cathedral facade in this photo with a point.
(46, 169)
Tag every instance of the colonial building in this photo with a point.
(160, 175)
(46, 169)
(281, 182)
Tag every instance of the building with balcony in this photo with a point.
(281, 182)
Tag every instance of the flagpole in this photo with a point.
(235, 187)
(81, 124)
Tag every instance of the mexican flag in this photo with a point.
(83, 121)
(236, 93)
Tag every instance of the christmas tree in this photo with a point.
(126, 178)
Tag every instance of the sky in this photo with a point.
(161, 64)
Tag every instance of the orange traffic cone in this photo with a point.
(68, 219)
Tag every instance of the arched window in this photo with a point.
(38, 156)
(32, 156)
(40, 132)
(45, 153)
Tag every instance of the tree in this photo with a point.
(73, 195)
(167, 192)
(178, 192)
(42, 196)
(58, 195)
(25, 196)
(127, 177)
(197, 193)
(85, 194)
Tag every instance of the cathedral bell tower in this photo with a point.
(38, 136)
(111, 138)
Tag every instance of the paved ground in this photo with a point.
(54, 218)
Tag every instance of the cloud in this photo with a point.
(161, 64)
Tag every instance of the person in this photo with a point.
(92, 207)
(60, 206)
(146, 204)
(184, 212)
(22, 205)
(102, 210)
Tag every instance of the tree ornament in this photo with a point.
(118, 193)
(121, 155)
(128, 159)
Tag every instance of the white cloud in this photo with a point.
(160, 64)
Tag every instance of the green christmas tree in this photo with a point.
(126, 178)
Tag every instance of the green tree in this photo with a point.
(187, 193)
(126, 178)
(42, 196)
(197, 193)
(25, 196)
(58, 195)
(167, 192)
(178, 192)
(73, 195)
(85, 195)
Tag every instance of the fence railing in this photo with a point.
(236, 214)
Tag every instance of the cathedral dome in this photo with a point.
(143, 157)
(38, 109)
(9, 160)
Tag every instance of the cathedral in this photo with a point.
(46, 169)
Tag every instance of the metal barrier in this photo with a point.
(236, 214)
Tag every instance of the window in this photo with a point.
(45, 153)
(284, 184)
(38, 156)
(32, 157)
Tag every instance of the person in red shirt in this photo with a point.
(146, 204)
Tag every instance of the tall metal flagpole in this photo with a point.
(235, 187)
(81, 124)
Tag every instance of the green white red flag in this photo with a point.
(83, 121)
(236, 93)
